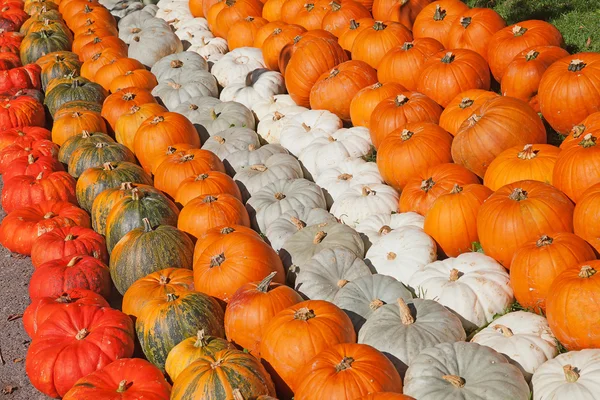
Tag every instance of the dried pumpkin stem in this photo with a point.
(405, 314)
(200, 339)
(400, 100)
(123, 386)
(456, 189)
(384, 230)
(64, 299)
(455, 380)
(528, 153)
(279, 196)
(259, 167)
(375, 304)
(216, 261)
(408, 45)
(263, 286)
(518, 30)
(454, 275)
(342, 282)
(319, 236)
(576, 65)
(345, 364)
(518, 195)
(304, 314)
(531, 55)
(544, 240)
(466, 103)
(439, 14)
(163, 280)
(298, 223)
(570, 374)
(588, 141)
(69, 237)
(201, 177)
(586, 272)
(344, 177)
(427, 184)
(506, 331)
(176, 64)
(465, 21)
(82, 334)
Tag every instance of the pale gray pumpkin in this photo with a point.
(329, 271)
(179, 67)
(464, 371)
(173, 92)
(188, 30)
(361, 201)
(252, 156)
(153, 42)
(235, 65)
(259, 85)
(292, 221)
(122, 8)
(280, 196)
(403, 329)
(133, 23)
(230, 141)
(211, 48)
(175, 12)
(361, 297)
(377, 226)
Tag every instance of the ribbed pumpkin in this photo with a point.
(158, 132)
(311, 15)
(585, 219)
(38, 44)
(118, 104)
(88, 35)
(365, 100)
(95, 180)
(420, 192)
(168, 320)
(276, 41)
(23, 111)
(129, 213)
(397, 111)
(537, 263)
(289, 9)
(57, 64)
(73, 105)
(80, 15)
(83, 138)
(521, 212)
(299, 42)
(405, 13)
(591, 124)
(461, 107)
(149, 249)
(98, 60)
(532, 161)
(94, 155)
(352, 30)
(105, 75)
(474, 29)
(336, 19)
(406, 151)
(137, 78)
(26, 191)
(66, 242)
(128, 123)
(191, 349)
(209, 211)
(217, 376)
(22, 135)
(32, 165)
(211, 182)
(79, 89)
(219, 232)
(100, 43)
(234, 11)
(242, 33)
(35, 148)
(499, 124)
(436, 19)
(266, 30)
(74, 123)
(373, 43)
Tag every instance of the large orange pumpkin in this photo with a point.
(404, 11)
(462, 107)
(373, 43)
(100, 43)
(138, 78)
(219, 232)
(211, 182)
(243, 32)
(72, 124)
(521, 212)
(340, 12)
(474, 29)
(586, 220)
(311, 15)
(121, 103)
(129, 122)
(591, 124)
(272, 13)
(435, 20)
(353, 29)
(365, 100)
(105, 75)
(98, 60)
(276, 41)
(234, 11)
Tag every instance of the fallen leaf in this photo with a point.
(8, 389)
(588, 42)
(14, 317)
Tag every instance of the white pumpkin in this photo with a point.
(376, 226)
(272, 104)
(402, 252)
(231, 140)
(153, 42)
(475, 286)
(253, 178)
(361, 201)
(353, 171)
(280, 196)
(174, 12)
(236, 64)
(179, 67)
(574, 375)
(292, 221)
(523, 337)
(122, 8)
(298, 131)
(192, 28)
(131, 25)
(174, 92)
(270, 126)
(207, 46)
(252, 156)
(258, 85)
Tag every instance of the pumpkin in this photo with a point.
(252, 155)
(468, 370)
(155, 41)
(68, 241)
(535, 162)
(423, 323)
(88, 35)
(405, 13)
(32, 165)
(15, 79)
(385, 396)
(26, 191)
(335, 181)
(9, 61)
(74, 105)
(292, 221)
(588, 125)
(16, 151)
(474, 29)
(361, 201)
(521, 212)
(524, 73)
(365, 100)
(226, 143)
(77, 16)
(575, 168)
(336, 19)
(82, 139)
(79, 89)
(172, 154)
(98, 60)
(177, 66)
(276, 41)
(524, 338)
(271, 12)
(210, 182)
(315, 322)
(373, 43)
(311, 15)
(236, 64)
(75, 123)
(376, 226)
(243, 32)
(22, 136)
(93, 155)
(499, 124)
(413, 148)
(435, 20)
(172, 93)
(105, 74)
(118, 104)
(298, 131)
(232, 12)
(584, 217)
(38, 44)
(259, 85)
(219, 232)
(127, 123)
(166, 321)
(95, 180)
(23, 111)
(270, 127)
(42, 308)
(399, 110)
(510, 41)
(100, 43)
(289, 9)
(461, 107)
(352, 29)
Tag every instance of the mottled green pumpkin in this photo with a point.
(148, 249)
(110, 175)
(77, 105)
(96, 154)
(81, 139)
(38, 44)
(50, 15)
(54, 25)
(130, 211)
(57, 65)
(166, 322)
(79, 89)
(106, 200)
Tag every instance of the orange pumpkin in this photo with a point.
(276, 41)
(404, 11)
(272, 12)
(105, 75)
(586, 222)
(88, 12)
(89, 35)
(210, 182)
(290, 9)
(98, 60)
(340, 12)
(206, 6)
(373, 43)
(474, 29)
(352, 30)
(243, 32)
(219, 232)
(128, 123)
(311, 15)
(138, 78)
(462, 107)
(71, 124)
(408, 150)
(100, 43)
(196, 8)
(168, 152)
(591, 124)
(436, 19)
(234, 11)
(365, 100)
(215, 8)
(518, 213)
(537, 263)
(118, 104)
(386, 396)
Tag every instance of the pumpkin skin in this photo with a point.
(81, 15)
(73, 105)
(266, 30)
(276, 41)
(128, 123)
(84, 138)
(32, 165)
(317, 322)
(171, 153)
(16, 151)
(435, 20)
(20, 228)
(22, 136)
(87, 35)
(166, 321)
(42, 308)
(211, 182)
(23, 111)
(128, 377)
(25, 191)
(79, 89)
(68, 241)
(537, 263)
(576, 168)
(462, 107)
(93, 155)
(26, 77)
(521, 212)
(138, 78)
(38, 44)
(97, 45)
(589, 125)
(533, 161)
(244, 31)
(499, 124)
(219, 232)
(365, 100)
(56, 65)
(474, 29)
(300, 41)
(352, 30)
(122, 102)
(419, 145)
(510, 41)
(54, 361)
(585, 218)
(385, 396)
(9, 61)
(98, 60)
(225, 374)
(336, 19)
(373, 43)
(105, 75)
(234, 11)
(311, 15)
(71, 124)
(576, 283)
(359, 368)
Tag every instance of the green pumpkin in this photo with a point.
(64, 63)
(44, 15)
(164, 323)
(79, 89)
(148, 249)
(78, 105)
(79, 140)
(38, 44)
(95, 180)
(95, 154)
(130, 211)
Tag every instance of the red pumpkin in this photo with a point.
(32, 165)
(26, 191)
(373, 43)
(20, 228)
(474, 29)
(365, 100)
(518, 213)
(10, 41)
(75, 342)
(27, 77)
(23, 136)
(14, 15)
(436, 19)
(21, 111)
(67, 242)
(462, 107)
(211, 182)
(9, 61)
(405, 11)
(37, 148)
(340, 12)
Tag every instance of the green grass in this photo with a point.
(577, 20)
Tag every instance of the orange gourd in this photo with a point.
(128, 123)
(71, 124)
(586, 220)
(404, 12)
(138, 78)
(276, 41)
(353, 28)
(340, 12)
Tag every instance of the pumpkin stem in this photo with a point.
(473, 119)
(406, 134)
(354, 25)
(578, 130)
(545, 240)
(588, 141)
(108, 166)
(200, 339)
(174, 85)
(227, 230)
(367, 191)
(216, 261)
(319, 236)
(427, 184)
(528, 153)
(465, 21)
(135, 194)
(100, 145)
(454, 275)
(342, 282)
(334, 72)
(147, 225)
(309, 7)
(571, 375)
(391, 256)
(213, 114)
(335, 6)
(586, 272)
(518, 30)
(40, 176)
(518, 195)
(172, 297)
(456, 381)
(69, 237)
(209, 199)
(82, 334)
(379, 26)
(405, 314)
(176, 64)
(384, 230)
(259, 167)
(531, 55)
(375, 304)
(30, 159)
(400, 100)
(377, 85)
(576, 65)
(49, 215)
(219, 139)
(128, 96)
(163, 280)
(506, 331)
(346, 363)
(201, 177)
(408, 45)
(170, 150)
(193, 107)
(448, 58)
(75, 84)
(123, 386)
(263, 286)
(344, 177)
(64, 299)
(306, 127)
(456, 189)
(187, 157)
(304, 314)
(277, 116)
(298, 223)
(74, 261)
(466, 103)
(279, 196)
(126, 186)
(439, 14)
(157, 119)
